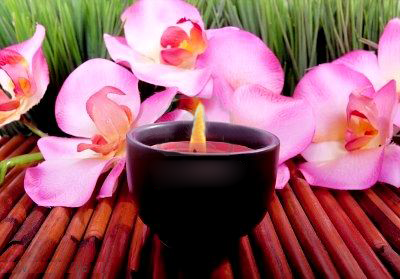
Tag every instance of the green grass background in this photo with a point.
(302, 33)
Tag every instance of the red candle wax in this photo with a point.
(212, 147)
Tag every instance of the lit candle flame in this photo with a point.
(198, 138)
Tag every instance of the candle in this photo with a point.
(201, 185)
(198, 142)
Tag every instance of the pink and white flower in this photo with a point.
(24, 77)
(166, 44)
(384, 66)
(351, 148)
(98, 104)
(163, 39)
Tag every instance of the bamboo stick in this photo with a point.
(81, 265)
(69, 243)
(391, 199)
(272, 256)
(358, 246)
(159, 270)
(307, 236)
(140, 236)
(39, 252)
(10, 146)
(335, 245)
(223, 271)
(31, 225)
(9, 259)
(21, 240)
(11, 194)
(289, 241)
(22, 148)
(246, 262)
(370, 233)
(101, 216)
(14, 219)
(3, 140)
(384, 218)
(116, 240)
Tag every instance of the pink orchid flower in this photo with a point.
(98, 104)
(163, 39)
(384, 66)
(351, 148)
(24, 77)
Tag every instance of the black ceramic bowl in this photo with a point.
(194, 199)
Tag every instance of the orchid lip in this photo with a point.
(181, 48)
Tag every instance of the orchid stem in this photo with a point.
(33, 128)
(18, 161)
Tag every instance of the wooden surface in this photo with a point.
(307, 233)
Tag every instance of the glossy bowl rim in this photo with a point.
(131, 139)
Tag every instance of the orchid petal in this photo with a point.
(189, 82)
(386, 101)
(211, 32)
(222, 93)
(176, 115)
(53, 148)
(388, 51)
(327, 89)
(63, 182)
(217, 106)
(355, 170)
(207, 90)
(215, 110)
(29, 48)
(41, 77)
(390, 172)
(89, 78)
(110, 183)
(396, 119)
(119, 50)
(365, 62)
(253, 64)
(324, 151)
(155, 106)
(282, 177)
(146, 20)
(290, 119)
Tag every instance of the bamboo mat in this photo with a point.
(307, 233)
